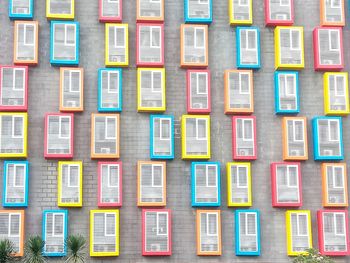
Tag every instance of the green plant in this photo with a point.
(76, 249)
(7, 251)
(33, 250)
(312, 256)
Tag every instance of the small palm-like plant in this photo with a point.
(76, 249)
(7, 251)
(312, 256)
(33, 250)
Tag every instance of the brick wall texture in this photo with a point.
(44, 97)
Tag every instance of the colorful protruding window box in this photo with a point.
(13, 88)
(16, 179)
(194, 46)
(59, 136)
(21, 9)
(162, 137)
(64, 43)
(328, 48)
(104, 233)
(195, 134)
(151, 90)
(328, 138)
(151, 183)
(55, 232)
(60, 9)
(156, 232)
(248, 47)
(244, 143)
(198, 11)
(247, 228)
(336, 93)
(14, 220)
(150, 10)
(109, 184)
(116, 45)
(110, 83)
(279, 12)
(110, 11)
(294, 139)
(333, 232)
(198, 91)
(334, 185)
(239, 95)
(206, 184)
(289, 47)
(332, 12)
(105, 136)
(241, 12)
(208, 233)
(149, 45)
(13, 135)
(298, 231)
(287, 98)
(26, 42)
(239, 184)
(286, 184)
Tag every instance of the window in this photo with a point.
(298, 130)
(119, 37)
(73, 175)
(113, 83)
(248, 39)
(164, 129)
(287, 84)
(18, 79)
(155, 34)
(199, 37)
(17, 127)
(338, 177)
(162, 224)
(110, 128)
(338, 84)
(69, 35)
(57, 224)
(27, 37)
(295, 40)
(284, 2)
(334, 40)
(201, 81)
(301, 224)
(243, 2)
(333, 130)
(113, 175)
(244, 83)
(339, 223)
(248, 224)
(212, 226)
(201, 129)
(14, 225)
(335, 3)
(109, 224)
(240, 176)
(245, 129)
(19, 171)
(64, 127)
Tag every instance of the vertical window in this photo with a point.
(18, 79)
(338, 177)
(334, 40)
(155, 35)
(333, 130)
(295, 39)
(14, 225)
(298, 130)
(109, 224)
(244, 83)
(69, 33)
(157, 176)
(73, 176)
(162, 223)
(110, 128)
(199, 37)
(119, 37)
(156, 80)
(18, 175)
(339, 223)
(64, 127)
(113, 175)
(113, 84)
(57, 225)
(164, 129)
(201, 129)
(212, 226)
(17, 127)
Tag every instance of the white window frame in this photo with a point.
(71, 71)
(167, 223)
(329, 131)
(246, 224)
(288, 174)
(285, 76)
(238, 176)
(115, 28)
(109, 185)
(330, 31)
(294, 130)
(54, 224)
(28, 6)
(246, 32)
(291, 38)
(66, 34)
(197, 129)
(197, 28)
(197, 82)
(105, 225)
(334, 6)
(240, 3)
(333, 178)
(106, 128)
(13, 127)
(216, 225)
(240, 83)
(69, 166)
(109, 73)
(162, 183)
(10, 223)
(343, 226)
(161, 120)
(14, 70)
(244, 120)
(151, 28)
(25, 26)
(152, 81)
(335, 85)
(298, 227)
(60, 126)
(207, 175)
(15, 174)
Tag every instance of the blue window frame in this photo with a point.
(205, 184)
(287, 99)
(110, 83)
(198, 11)
(162, 137)
(328, 138)
(64, 48)
(55, 232)
(248, 47)
(247, 228)
(21, 10)
(15, 188)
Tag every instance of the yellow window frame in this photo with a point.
(327, 105)
(240, 22)
(60, 16)
(109, 63)
(229, 184)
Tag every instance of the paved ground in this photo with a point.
(43, 97)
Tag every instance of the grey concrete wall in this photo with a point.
(43, 97)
